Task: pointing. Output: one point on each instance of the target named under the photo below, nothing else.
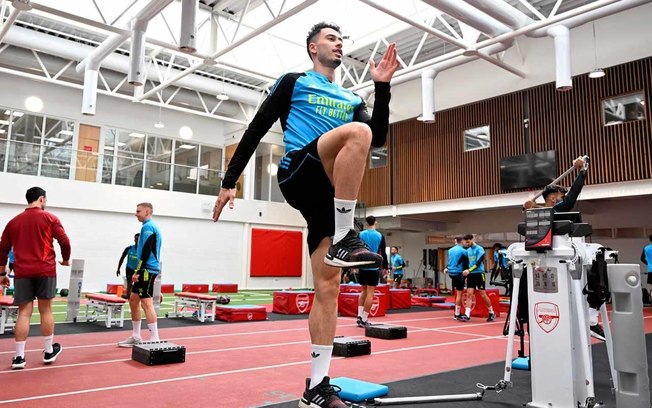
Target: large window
(624, 108)
(185, 167)
(57, 148)
(378, 157)
(266, 186)
(210, 166)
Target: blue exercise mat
(358, 391)
(521, 363)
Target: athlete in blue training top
(458, 262)
(327, 133)
(396, 264)
(131, 253)
(475, 278)
(368, 278)
(145, 273)
(501, 269)
(646, 258)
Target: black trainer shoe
(464, 318)
(597, 332)
(362, 323)
(18, 363)
(456, 316)
(350, 252)
(323, 395)
(49, 358)
(492, 317)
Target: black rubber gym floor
(464, 381)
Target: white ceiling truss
(243, 45)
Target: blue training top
(372, 239)
(132, 257)
(11, 258)
(149, 247)
(500, 257)
(647, 251)
(397, 262)
(458, 260)
(476, 258)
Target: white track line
(217, 373)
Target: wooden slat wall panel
(429, 161)
(571, 124)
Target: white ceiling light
(66, 133)
(16, 114)
(33, 104)
(596, 72)
(55, 140)
(159, 123)
(2, 131)
(272, 169)
(185, 132)
(187, 146)
(222, 96)
(138, 135)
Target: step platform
(443, 305)
(242, 313)
(348, 347)
(158, 352)
(386, 331)
(358, 391)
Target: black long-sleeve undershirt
(277, 105)
(571, 197)
(383, 252)
(123, 256)
(148, 247)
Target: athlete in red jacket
(31, 234)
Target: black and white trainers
(49, 358)
(18, 363)
(463, 318)
(323, 395)
(597, 332)
(362, 323)
(350, 252)
(492, 317)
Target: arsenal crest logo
(250, 316)
(547, 316)
(302, 302)
(374, 306)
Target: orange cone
(120, 289)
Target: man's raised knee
(359, 133)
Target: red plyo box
(194, 288)
(400, 299)
(112, 288)
(347, 304)
(241, 313)
(225, 288)
(293, 301)
(478, 307)
(167, 288)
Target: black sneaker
(350, 252)
(362, 323)
(597, 332)
(323, 395)
(456, 316)
(463, 318)
(18, 363)
(492, 317)
(49, 358)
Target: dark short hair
(650, 237)
(315, 30)
(459, 238)
(497, 245)
(468, 236)
(552, 189)
(146, 205)
(137, 235)
(34, 194)
(371, 220)
(395, 247)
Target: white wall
(623, 37)
(65, 102)
(100, 223)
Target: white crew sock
(467, 312)
(458, 309)
(360, 310)
(365, 316)
(491, 309)
(47, 343)
(344, 213)
(20, 349)
(153, 329)
(135, 329)
(321, 361)
(593, 316)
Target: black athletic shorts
(475, 281)
(306, 187)
(398, 277)
(649, 278)
(28, 289)
(130, 274)
(368, 277)
(458, 281)
(144, 288)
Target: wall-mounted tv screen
(528, 170)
